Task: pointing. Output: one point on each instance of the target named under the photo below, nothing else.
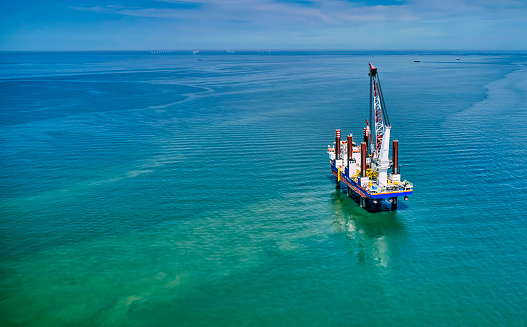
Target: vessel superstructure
(364, 168)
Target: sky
(263, 24)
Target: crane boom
(380, 136)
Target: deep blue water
(159, 190)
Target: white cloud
(331, 12)
(328, 12)
(409, 24)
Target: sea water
(141, 189)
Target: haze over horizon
(263, 24)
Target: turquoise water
(158, 190)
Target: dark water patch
(22, 100)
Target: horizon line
(258, 50)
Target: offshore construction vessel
(364, 168)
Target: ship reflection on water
(373, 237)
